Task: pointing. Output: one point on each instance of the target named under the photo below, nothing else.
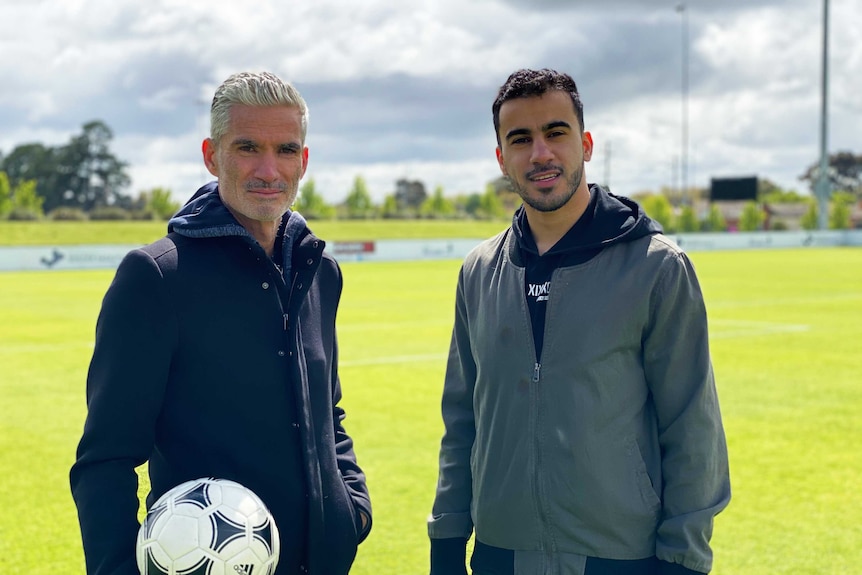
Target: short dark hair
(525, 83)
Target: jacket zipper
(547, 542)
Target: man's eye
(517, 141)
(246, 148)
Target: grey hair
(253, 89)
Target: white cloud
(404, 89)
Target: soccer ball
(208, 527)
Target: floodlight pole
(822, 187)
(683, 10)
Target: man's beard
(548, 202)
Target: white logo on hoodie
(539, 291)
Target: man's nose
(542, 153)
(267, 168)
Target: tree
(509, 198)
(679, 197)
(410, 195)
(93, 176)
(5, 195)
(839, 214)
(770, 193)
(438, 206)
(845, 173)
(810, 220)
(714, 221)
(490, 204)
(389, 209)
(657, 206)
(83, 173)
(687, 220)
(311, 204)
(20, 201)
(358, 202)
(469, 204)
(158, 202)
(33, 162)
(25, 199)
(752, 217)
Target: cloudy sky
(403, 89)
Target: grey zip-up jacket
(612, 446)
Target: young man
(216, 353)
(582, 428)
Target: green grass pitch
(786, 328)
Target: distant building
(856, 216)
(731, 211)
(784, 216)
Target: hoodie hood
(205, 216)
(608, 219)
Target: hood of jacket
(205, 216)
(608, 219)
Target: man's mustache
(261, 185)
(545, 168)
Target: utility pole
(674, 165)
(822, 188)
(683, 11)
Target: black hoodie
(608, 219)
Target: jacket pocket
(342, 531)
(642, 479)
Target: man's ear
(208, 148)
(501, 162)
(304, 161)
(588, 146)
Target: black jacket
(209, 362)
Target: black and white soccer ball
(208, 527)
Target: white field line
(729, 328)
(778, 301)
(722, 329)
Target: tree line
(83, 179)
(410, 200)
(678, 213)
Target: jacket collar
(206, 216)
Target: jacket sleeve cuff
(665, 568)
(449, 556)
